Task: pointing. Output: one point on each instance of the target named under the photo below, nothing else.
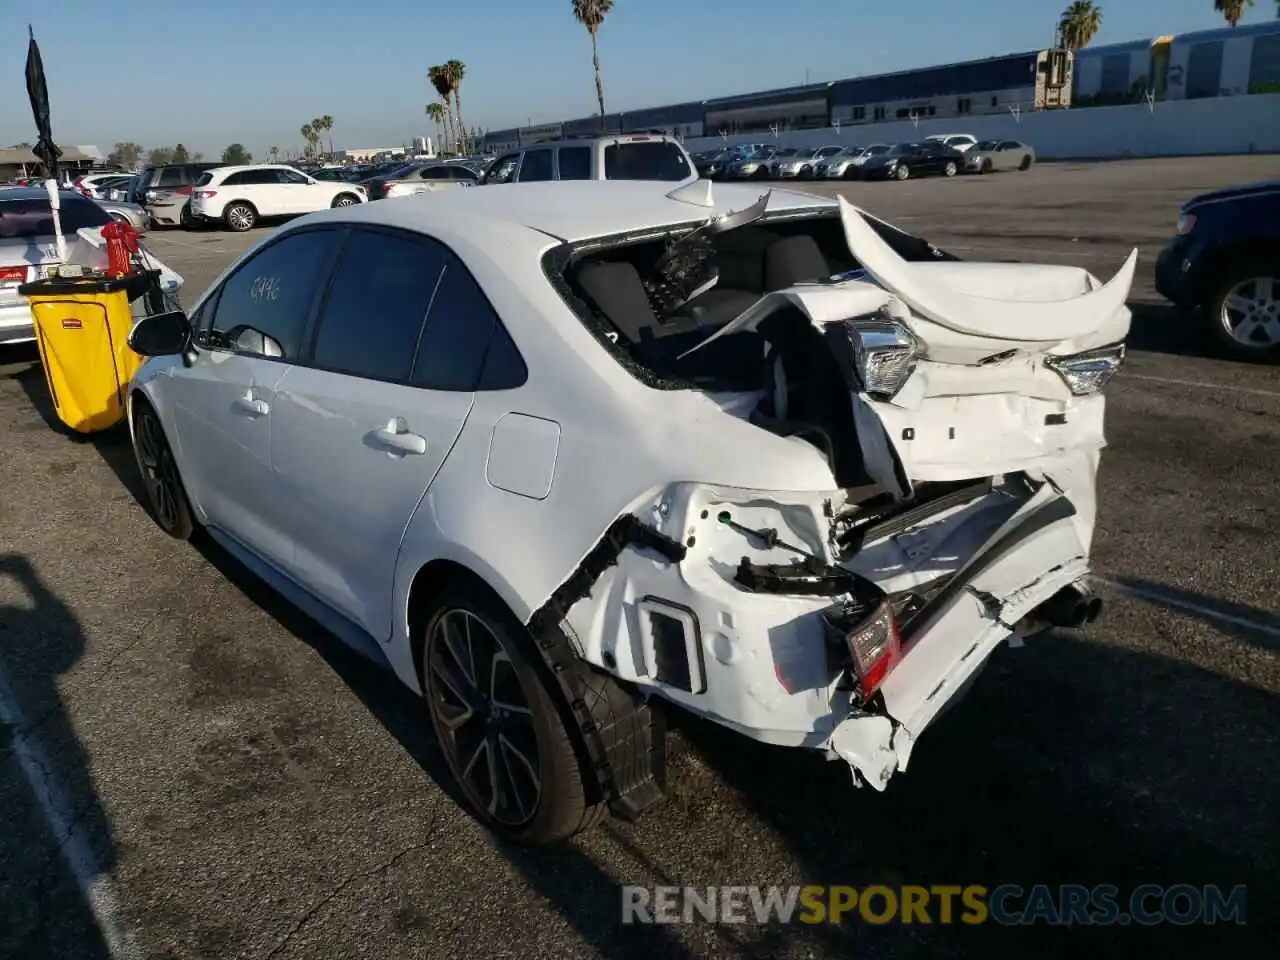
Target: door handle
(396, 436)
(252, 405)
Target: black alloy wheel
(168, 500)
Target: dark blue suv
(1224, 263)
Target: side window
(233, 180)
(503, 169)
(263, 307)
(459, 172)
(169, 177)
(373, 315)
(575, 163)
(536, 166)
(460, 327)
(291, 176)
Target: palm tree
(439, 78)
(456, 70)
(436, 112)
(326, 124)
(591, 14)
(308, 134)
(1232, 10)
(1079, 24)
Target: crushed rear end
(960, 407)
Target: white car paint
(519, 485)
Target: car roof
(237, 167)
(567, 210)
(39, 193)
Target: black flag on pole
(38, 93)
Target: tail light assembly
(862, 629)
(203, 194)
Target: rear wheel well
(1210, 271)
(240, 203)
(428, 583)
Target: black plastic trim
(624, 736)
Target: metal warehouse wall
(1173, 128)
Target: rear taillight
(204, 194)
(386, 189)
(185, 191)
(869, 635)
(13, 274)
(78, 183)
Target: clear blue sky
(206, 74)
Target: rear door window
(372, 318)
(645, 160)
(575, 163)
(537, 166)
(170, 177)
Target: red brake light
(871, 639)
(386, 189)
(13, 274)
(185, 191)
(204, 194)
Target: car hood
(1245, 191)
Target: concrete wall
(1173, 128)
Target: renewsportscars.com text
(1008, 904)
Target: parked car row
(194, 195)
(941, 154)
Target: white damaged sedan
(562, 453)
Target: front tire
(497, 723)
(344, 200)
(166, 495)
(1243, 309)
(900, 172)
(950, 169)
(240, 217)
(1025, 164)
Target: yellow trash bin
(82, 327)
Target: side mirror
(161, 335)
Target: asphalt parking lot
(190, 769)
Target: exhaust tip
(1073, 606)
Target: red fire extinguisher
(122, 246)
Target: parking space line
(93, 882)
(1173, 601)
(1201, 384)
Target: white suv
(632, 156)
(241, 196)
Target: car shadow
(56, 842)
(1070, 762)
(585, 896)
(1241, 621)
(1160, 327)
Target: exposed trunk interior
(621, 291)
